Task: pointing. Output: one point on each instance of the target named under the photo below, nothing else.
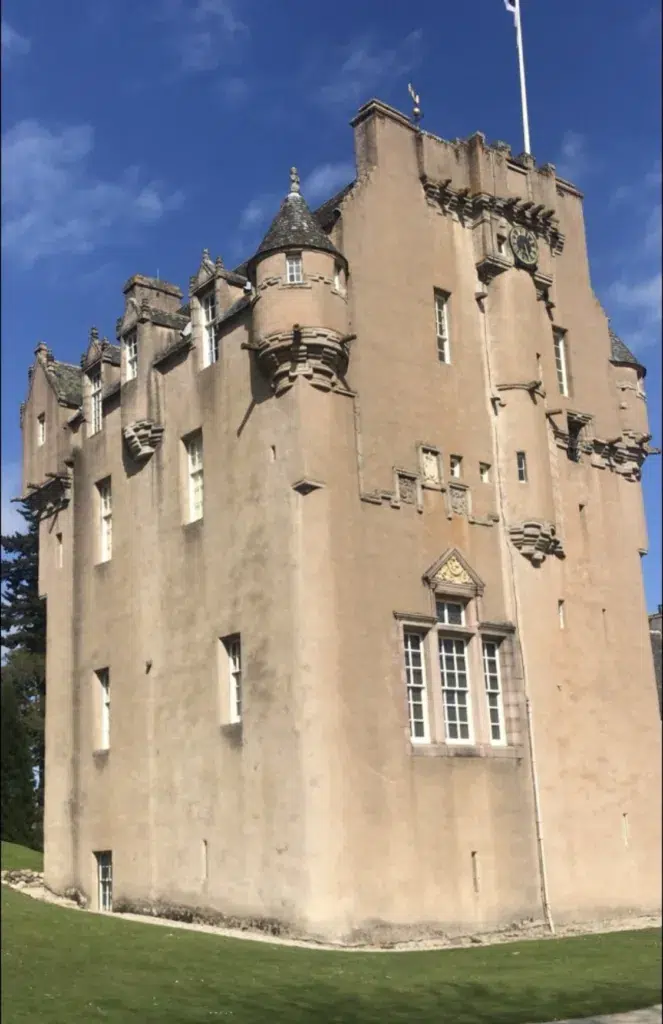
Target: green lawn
(64, 965)
(14, 857)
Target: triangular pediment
(452, 571)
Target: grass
(15, 857)
(64, 965)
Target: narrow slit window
(105, 881)
(559, 339)
(442, 326)
(493, 681)
(294, 270)
(131, 355)
(41, 429)
(456, 466)
(103, 684)
(194, 454)
(96, 402)
(575, 428)
(484, 472)
(105, 519)
(561, 614)
(208, 307)
(521, 465)
(415, 678)
(59, 551)
(234, 650)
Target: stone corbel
(491, 266)
(143, 438)
(536, 539)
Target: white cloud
(325, 180)
(13, 43)
(255, 212)
(53, 204)
(642, 297)
(206, 33)
(364, 67)
(573, 161)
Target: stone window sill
(101, 755)
(509, 753)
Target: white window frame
(492, 676)
(443, 606)
(105, 881)
(208, 314)
(521, 467)
(456, 466)
(41, 429)
(484, 472)
(416, 684)
(294, 268)
(561, 361)
(105, 493)
(233, 646)
(195, 476)
(452, 691)
(96, 399)
(104, 698)
(131, 355)
(442, 326)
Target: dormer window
(294, 273)
(210, 341)
(131, 355)
(96, 421)
(41, 429)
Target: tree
(18, 812)
(24, 636)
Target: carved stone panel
(430, 466)
(459, 500)
(407, 489)
(453, 572)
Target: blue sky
(135, 134)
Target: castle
(346, 623)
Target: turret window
(293, 270)
(208, 307)
(131, 355)
(339, 279)
(95, 401)
(521, 466)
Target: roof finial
(416, 109)
(294, 182)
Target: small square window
(294, 270)
(521, 465)
(456, 466)
(41, 428)
(484, 472)
(450, 613)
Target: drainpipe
(538, 823)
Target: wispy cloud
(573, 160)
(642, 297)
(52, 202)
(325, 180)
(206, 34)
(255, 212)
(13, 43)
(362, 66)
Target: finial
(206, 258)
(218, 263)
(94, 334)
(416, 109)
(294, 182)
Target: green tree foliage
(18, 810)
(24, 638)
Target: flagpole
(521, 69)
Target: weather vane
(416, 109)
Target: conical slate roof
(294, 227)
(620, 353)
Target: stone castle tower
(346, 624)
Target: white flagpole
(521, 68)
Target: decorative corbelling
(452, 572)
(468, 208)
(534, 387)
(536, 539)
(490, 266)
(143, 438)
(317, 354)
